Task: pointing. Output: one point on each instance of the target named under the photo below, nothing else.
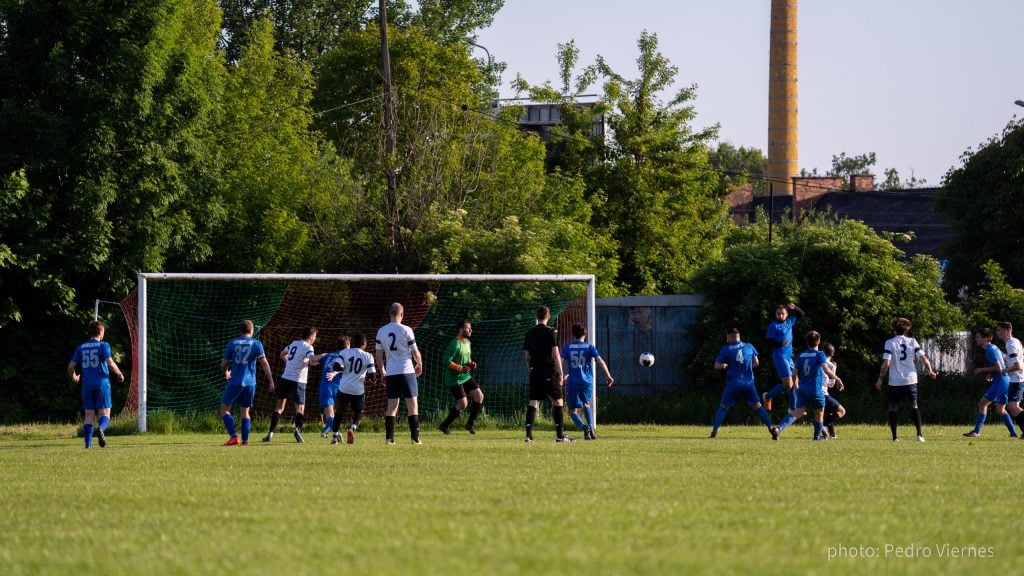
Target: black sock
(414, 427)
(1019, 419)
(275, 417)
(830, 418)
(558, 417)
(389, 427)
(336, 425)
(531, 416)
(299, 419)
(357, 417)
(892, 423)
(475, 409)
(453, 413)
(915, 413)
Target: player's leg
(1013, 400)
(337, 414)
(392, 385)
(328, 411)
(819, 417)
(558, 411)
(894, 394)
(103, 414)
(281, 392)
(412, 408)
(477, 395)
(979, 418)
(459, 395)
(357, 402)
(300, 410)
(90, 416)
(1006, 418)
(231, 394)
(729, 396)
(750, 397)
(794, 414)
(574, 404)
(538, 391)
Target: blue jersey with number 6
(578, 355)
(808, 365)
(92, 358)
(243, 352)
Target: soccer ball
(647, 359)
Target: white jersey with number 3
(397, 342)
(901, 351)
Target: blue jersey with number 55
(578, 355)
(242, 353)
(91, 357)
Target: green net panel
(191, 320)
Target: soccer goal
(180, 324)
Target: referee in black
(540, 349)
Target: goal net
(180, 323)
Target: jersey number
(903, 351)
(807, 369)
(577, 360)
(392, 347)
(241, 353)
(291, 353)
(355, 366)
(90, 358)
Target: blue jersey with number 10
(739, 360)
(579, 355)
(243, 352)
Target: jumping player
(298, 357)
(458, 363)
(96, 362)
(898, 358)
(780, 335)
(577, 358)
(999, 390)
(356, 363)
(811, 366)
(739, 359)
(397, 343)
(239, 366)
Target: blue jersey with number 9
(242, 353)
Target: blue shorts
(733, 393)
(238, 394)
(401, 386)
(96, 398)
(998, 392)
(783, 364)
(327, 393)
(576, 395)
(1016, 393)
(812, 399)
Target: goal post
(181, 322)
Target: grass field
(639, 500)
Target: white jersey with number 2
(397, 342)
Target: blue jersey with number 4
(808, 365)
(243, 352)
(91, 357)
(579, 355)
(739, 360)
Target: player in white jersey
(834, 411)
(1014, 362)
(298, 357)
(352, 366)
(397, 344)
(898, 358)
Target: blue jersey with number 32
(578, 355)
(242, 353)
(91, 357)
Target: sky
(918, 82)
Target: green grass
(639, 500)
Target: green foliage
(740, 166)
(849, 281)
(981, 201)
(995, 300)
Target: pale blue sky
(916, 81)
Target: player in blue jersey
(351, 366)
(999, 390)
(239, 365)
(811, 366)
(577, 359)
(780, 336)
(329, 384)
(95, 362)
(739, 359)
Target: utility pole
(390, 136)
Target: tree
(893, 182)
(981, 200)
(850, 281)
(995, 300)
(654, 189)
(739, 166)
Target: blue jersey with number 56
(243, 352)
(91, 357)
(578, 355)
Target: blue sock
(979, 422)
(87, 433)
(789, 419)
(588, 413)
(764, 416)
(104, 422)
(246, 426)
(774, 391)
(791, 397)
(329, 423)
(229, 423)
(719, 417)
(577, 420)
(817, 429)
(1008, 420)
